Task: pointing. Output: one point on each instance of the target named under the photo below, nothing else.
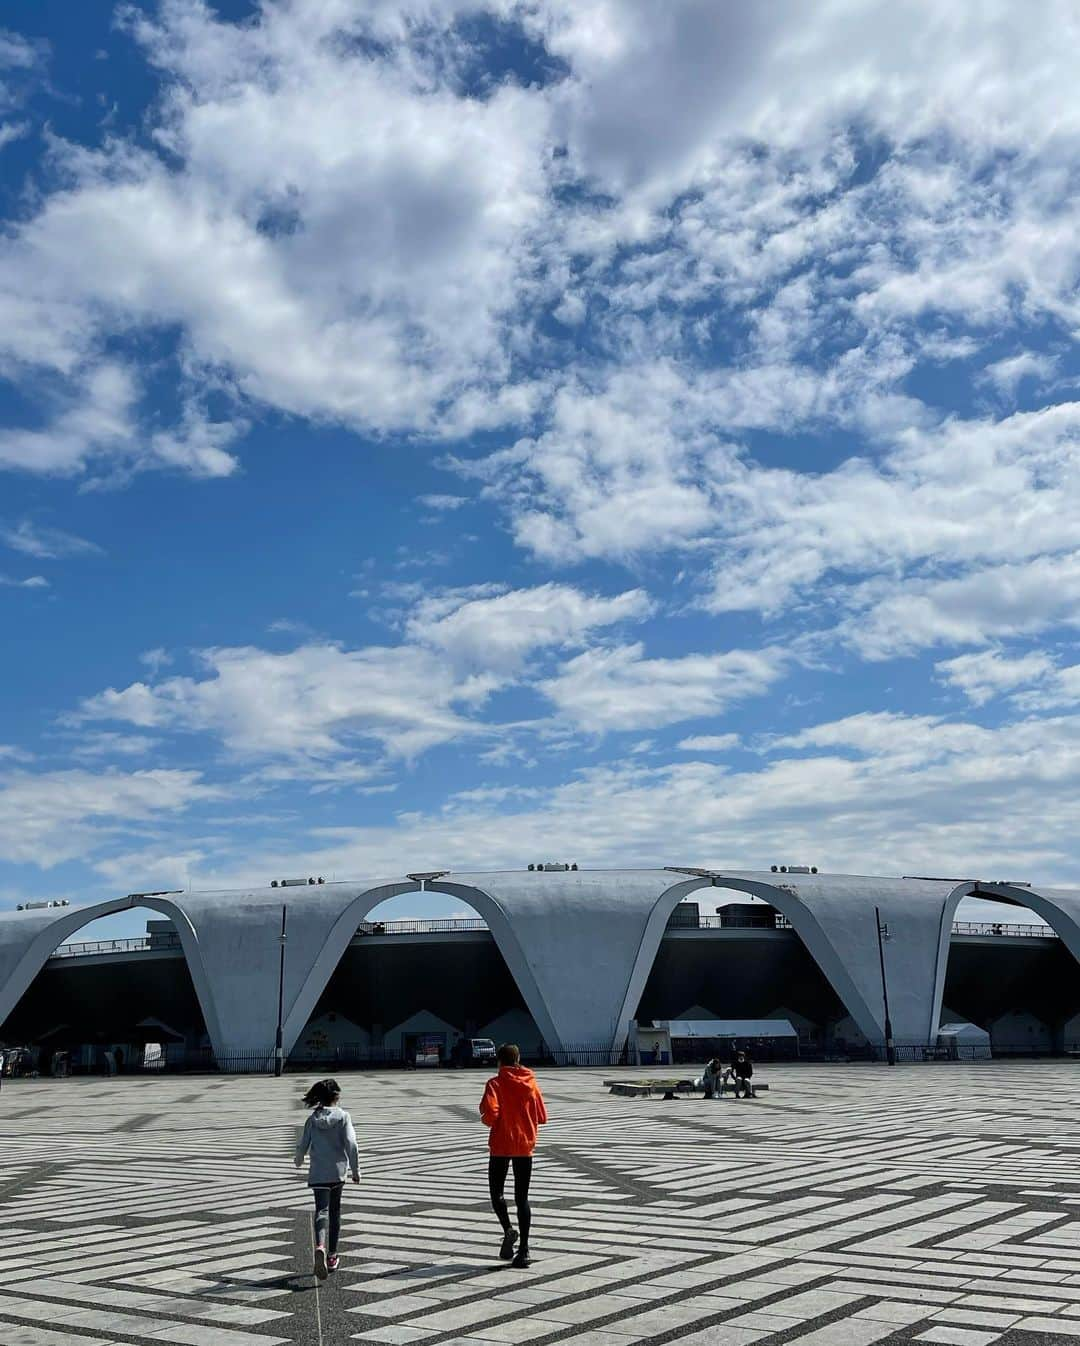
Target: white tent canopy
(727, 1028)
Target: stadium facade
(576, 956)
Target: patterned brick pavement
(851, 1205)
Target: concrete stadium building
(564, 957)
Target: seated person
(712, 1078)
(741, 1071)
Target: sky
(441, 434)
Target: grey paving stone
(885, 1201)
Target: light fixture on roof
(424, 877)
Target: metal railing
(779, 922)
(776, 922)
(436, 926)
(1000, 928)
(140, 942)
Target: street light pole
(279, 1053)
(882, 935)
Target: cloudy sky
(437, 433)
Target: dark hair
(322, 1094)
(508, 1054)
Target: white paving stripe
(937, 1202)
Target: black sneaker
(522, 1259)
(506, 1251)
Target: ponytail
(322, 1094)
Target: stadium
(589, 966)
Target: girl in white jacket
(329, 1137)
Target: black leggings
(328, 1215)
(498, 1168)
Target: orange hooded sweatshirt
(513, 1107)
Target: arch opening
(833, 915)
(1011, 976)
(117, 1001)
(732, 958)
(407, 985)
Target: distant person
(712, 1078)
(513, 1107)
(329, 1136)
(741, 1071)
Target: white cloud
(95, 424)
(989, 673)
(709, 743)
(1061, 688)
(107, 744)
(655, 91)
(44, 543)
(984, 605)
(1032, 681)
(53, 816)
(614, 689)
(31, 582)
(498, 632)
(1006, 375)
(305, 705)
(443, 503)
(882, 795)
(156, 659)
(336, 232)
(21, 66)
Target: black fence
(178, 1059)
(174, 1059)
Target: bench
(668, 1089)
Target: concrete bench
(666, 1088)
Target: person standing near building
(329, 1136)
(513, 1109)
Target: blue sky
(443, 434)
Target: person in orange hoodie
(513, 1107)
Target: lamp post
(882, 936)
(279, 1052)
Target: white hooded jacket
(329, 1135)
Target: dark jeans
(498, 1167)
(328, 1215)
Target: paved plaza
(851, 1205)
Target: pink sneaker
(320, 1263)
(332, 1262)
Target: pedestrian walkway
(851, 1205)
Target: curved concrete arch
(28, 941)
(506, 941)
(651, 936)
(571, 940)
(948, 915)
(240, 936)
(337, 941)
(1059, 908)
(833, 915)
